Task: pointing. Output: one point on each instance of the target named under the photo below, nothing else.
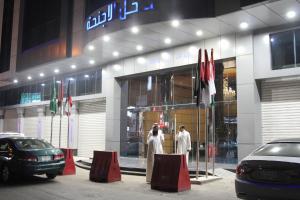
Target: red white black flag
(68, 102)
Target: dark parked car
(270, 172)
(21, 156)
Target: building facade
(132, 63)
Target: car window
(3, 146)
(279, 149)
(27, 144)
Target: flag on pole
(68, 102)
(212, 77)
(53, 100)
(208, 80)
(197, 78)
(60, 97)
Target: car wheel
(5, 174)
(51, 176)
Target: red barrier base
(170, 173)
(70, 164)
(105, 167)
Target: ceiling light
(71, 79)
(135, 30)
(16, 81)
(73, 66)
(92, 62)
(175, 23)
(58, 82)
(29, 77)
(139, 48)
(117, 67)
(116, 54)
(291, 14)
(141, 60)
(106, 38)
(193, 50)
(165, 55)
(42, 74)
(91, 47)
(56, 71)
(199, 33)
(86, 76)
(193, 77)
(244, 25)
(43, 84)
(168, 41)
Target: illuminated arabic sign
(119, 11)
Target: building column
(1, 120)
(20, 120)
(41, 122)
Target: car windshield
(27, 144)
(279, 149)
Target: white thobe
(184, 144)
(154, 147)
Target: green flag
(53, 100)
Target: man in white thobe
(184, 143)
(154, 147)
(160, 134)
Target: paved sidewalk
(132, 188)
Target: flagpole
(51, 134)
(175, 133)
(68, 126)
(198, 140)
(213, 136)
(206, 140)
(60, 126)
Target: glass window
(166, 98)
(282, 48)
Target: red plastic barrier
(70, 164)
(105, 167)
(170, 173)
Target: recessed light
(58, 82)
(42, 74)
(117, 67)
(71, 79)
(193, 50)
(73, 66)
(199, 33)
(135, 30)
(291, 14)
(16, 81)
(92, 62)
(139, 48)
(56, 71)
(193, 77)
(29, 77)
(43, 84)
(116, 54)
(244, 25)
(106, 38)
(91, 47)
(175, 23)
(165, 55)
(168, 41)
(141, 60)
(86, 76)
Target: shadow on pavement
(27, 181)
